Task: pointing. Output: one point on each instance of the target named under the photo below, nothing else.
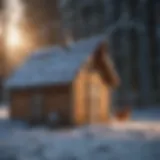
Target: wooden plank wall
(79, 114)
(59, 102)
(80, 98)
(54, 99)
(19, 105)
(104, 96)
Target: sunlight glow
(13, 38)
(14, 12)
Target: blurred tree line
(134, 42)
(41, 21)
(134, 46)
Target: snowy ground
(138, 139)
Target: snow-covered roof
(54, 65)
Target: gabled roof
(54, 65)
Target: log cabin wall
(79, 107)
(81, 97)
(54, 99)
(19, 105)
(58, 99)
(100, 95)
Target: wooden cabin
(75, 84)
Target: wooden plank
(79, 110)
